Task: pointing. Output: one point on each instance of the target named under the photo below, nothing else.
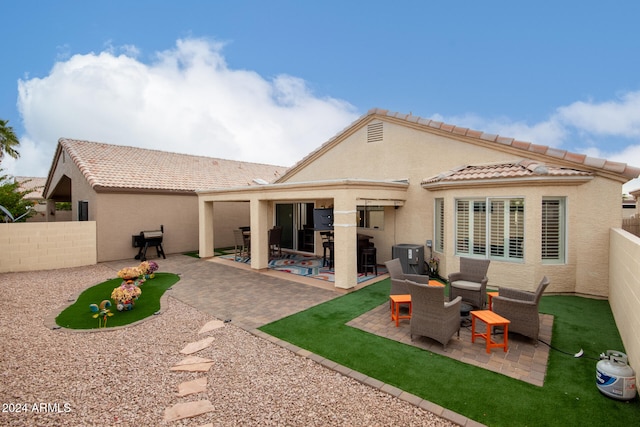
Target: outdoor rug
(305, 266)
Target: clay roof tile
(122, 167)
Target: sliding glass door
(296, 220)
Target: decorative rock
(187, 410)
(191, 387)
(210, 326)
(197, 346)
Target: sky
(270, 81)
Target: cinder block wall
(47, 245)
(624, 291)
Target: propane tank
(614, 377)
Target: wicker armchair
(521, 308)
(471, 281)
(431, 316)
(398, 278)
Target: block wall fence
(34, 246)
(624, 291)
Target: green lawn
(79, 315)
(569, 397)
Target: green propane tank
(614, 377)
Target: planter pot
(433, 272)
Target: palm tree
(8, 140)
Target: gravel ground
(122, 377)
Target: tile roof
(35, 184)
(527, 148)
(116, 167)
(501, 171)
(615, 167)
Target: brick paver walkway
(248, 298)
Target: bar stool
(327, 247)
(369, 260)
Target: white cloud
(616, 118)
(187, 101)
(608, 130)
(32, 158)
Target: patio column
(205, 234)
(259, 211)
(50, 213)
(345, 240)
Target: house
(533, 210)
(629, 205)
(34, 185)
(127, 190)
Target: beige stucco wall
(44, 246)
(119, 216)
(408, 153)
(624, 293)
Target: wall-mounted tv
(323, 219)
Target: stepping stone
(197, 367)
(193, 364)
(207, 425)
(210, 326)
(190, 360)
(197, 346)
(187, 410)
(191, 387)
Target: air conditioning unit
(411, 257)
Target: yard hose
(579, 354)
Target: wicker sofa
(432, 316)
(521, 308)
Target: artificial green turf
(568, 397)
(79, 315)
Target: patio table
(396, 300)
(491, 319)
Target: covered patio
(343, 195)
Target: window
(371, 217)
(492, 228)
(439, 225)
(553, 230)
(83, 210)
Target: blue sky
(270, 81)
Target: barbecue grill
(147, 239)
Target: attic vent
(374, 132)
